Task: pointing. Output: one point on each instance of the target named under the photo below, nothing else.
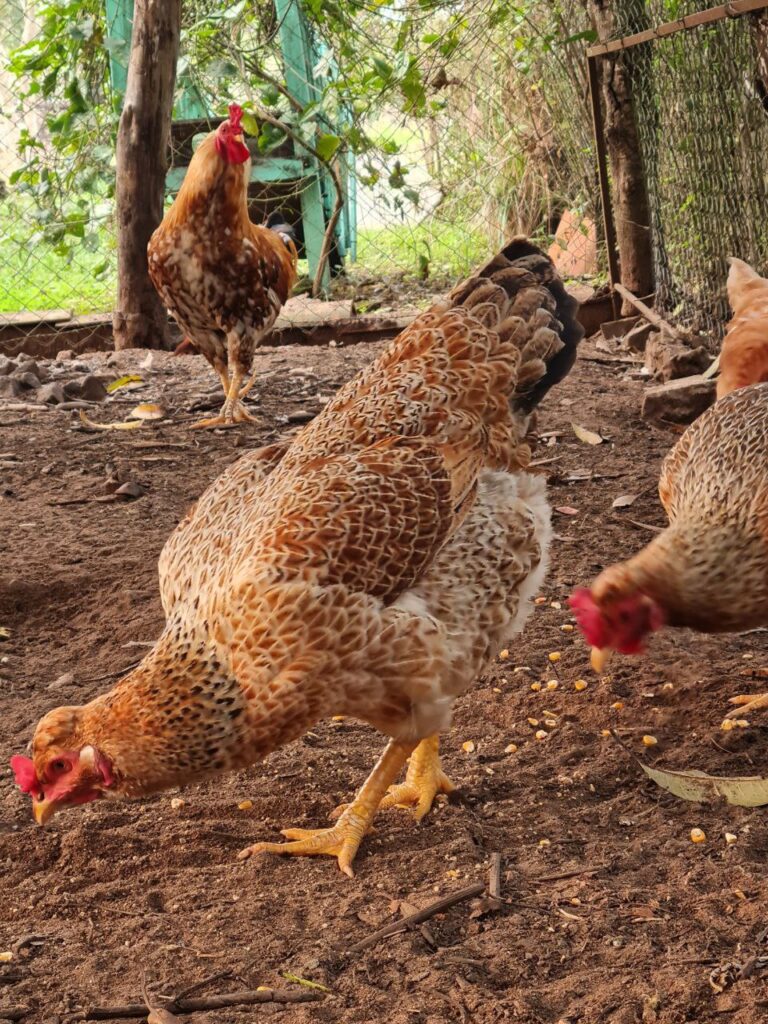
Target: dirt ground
(612, 915)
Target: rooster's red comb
(26, 776)
(235, 115)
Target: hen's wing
(196, 550)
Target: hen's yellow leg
(424, 779)
(343, 839)
(747, 702)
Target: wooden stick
(246, 998)
(570, 874)
(668, 28)
(421, 915)
(494, 877)
(650, 315)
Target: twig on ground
(638, 525)
(422, 915)
(560, 875)
(494, 877)
(246, 998)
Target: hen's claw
(231, 415)
(747, 702)
(344, 838)
(424, 779)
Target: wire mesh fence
(700, 101)
(455, 124)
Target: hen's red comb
(26, 776)
(235, 115)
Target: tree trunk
(140, 320)
(630, 195)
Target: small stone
(64, 682)
(730, 838)
(10, 388)
(637, 337)
(6, 366)
(64, 354)
(88, 389)
(51, 394)
(679, 401)
(177, 803)
(27, 366)
(28, 379)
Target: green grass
(36, 278)
(450, 249)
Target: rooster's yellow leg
(343, 839)
(747, 702)
(424, 779)
(233, 411)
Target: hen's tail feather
(519, 294)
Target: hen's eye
(58, 766)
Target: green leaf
(250, 124)
(327, 145)
(588, 36)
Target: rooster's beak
(239, 138)
(43, 810)
(599, 658)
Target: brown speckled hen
(223, 278)
(708, 570)
(369, 569)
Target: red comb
(235, 115)
(26, 776)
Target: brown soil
(630, 931)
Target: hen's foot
(747, 702)
(231, 415)
(344, 838)
(424, 779)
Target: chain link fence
(700, 101)
(460, 123)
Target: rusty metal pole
(609, 225)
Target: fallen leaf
(566, 510)
(147, 411)
(303, 981)
(130, 489)
(739, 790)
(624, 501)
(587, 436)
(122, 382)
(108, 426)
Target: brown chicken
(223, 278)
(744, 357)
(369, 569)
(708, 570)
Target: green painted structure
(300, 57)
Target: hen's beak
(599, 658)
(239, 138)
(43, 810)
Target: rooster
(223, 278)
(370, 569)
(708, 570)
(744, 357)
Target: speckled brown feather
(218, 273)
(369, 568)
(709, 569)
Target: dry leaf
(147, 411)
(587, 436)
(130, 489)
(123, 382)
(107, 426)
(624, 501)
(566, 510)
(739, 790)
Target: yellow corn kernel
(536, 687)
(245, 805)
(567, 627)
(730, 838)
(5, 958)
(468, 747)
(545, 842)
(338, 718)
(605, 732)
(541, 734)
(540, 600)
(552, 684)
(511, 748)
(727, 724)
(504, 655)
(550, 723)
(698, 835)
(617, 705)
(554, 656)
(533, 721)
(580, 684)
(649, 741)
(742, 723)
